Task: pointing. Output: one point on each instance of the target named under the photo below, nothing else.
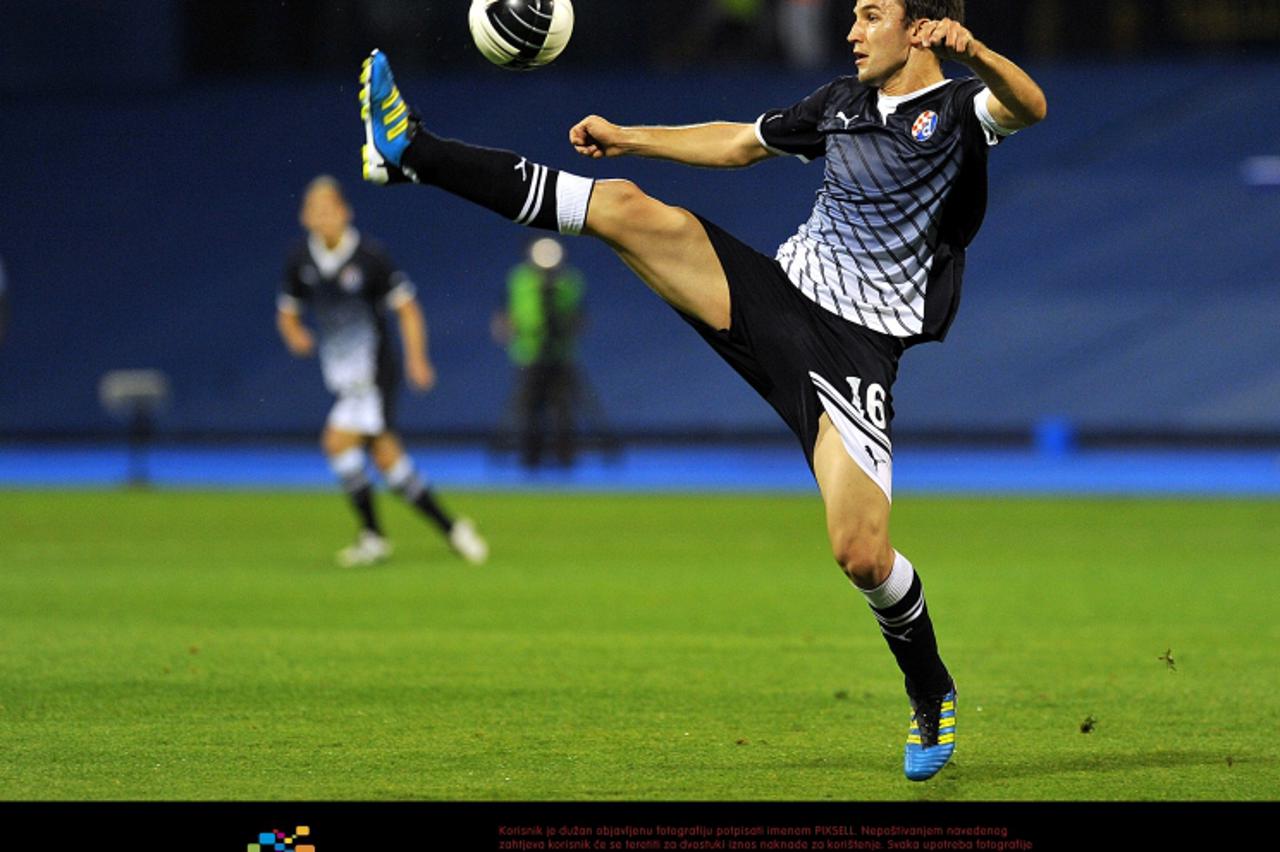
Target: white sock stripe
(542, 189)
(533, 202)
(348, 463)
(573, 194)
(910, 616)
(528, 199)
(895, 587)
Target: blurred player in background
(351, 285)
(540, 328)
(818, 330)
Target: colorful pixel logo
(926, 123)
(277, 841)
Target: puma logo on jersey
(847, 121)
(520, 167)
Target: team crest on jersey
(926, 123)
(351, 279)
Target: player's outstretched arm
(294, 334)
(413, 335)
(717, 144)
(1016, 101)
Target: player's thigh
(857, 510)
(666, 246)
(386, 450)
(335, 441)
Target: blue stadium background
(1125, 281)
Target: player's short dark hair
(934, 10)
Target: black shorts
(805, 361)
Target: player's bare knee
(621, 209)
(616, 197)
(866, 559)
(386, 453)
(334, 443)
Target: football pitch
(203, 646)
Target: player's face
(880, 39)
(325, 214)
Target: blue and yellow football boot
(931, 739)
(388, 124)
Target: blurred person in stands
(351, 286)
(540, 327)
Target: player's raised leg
(398, 146)
(403, 477)
(858, 527)
(347, 459)
(665, 245)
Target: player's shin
(405, 480)
(349, 467)
(898, 604)
(506, 183)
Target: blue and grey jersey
(349, 289)
(904, 192)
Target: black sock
(506, 183)
(349, 467)
(916, 649)
(362, 500)
(428, 505)
(405, 481)
(908, 630)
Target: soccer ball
(521, 34)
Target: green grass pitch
(192, 646)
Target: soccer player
(818, 330)
(350, 285)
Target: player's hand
(595, 137)
(949, 39)
(422, 375)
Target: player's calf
(504, 182)
(526, 193)
(349, 465)
(899, 606)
